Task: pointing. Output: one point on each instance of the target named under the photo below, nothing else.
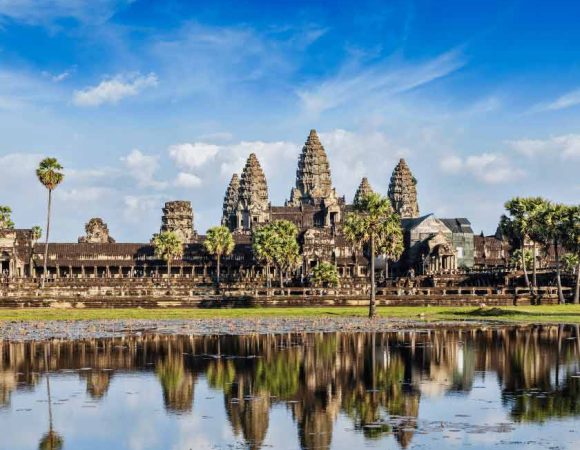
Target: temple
(432, 244)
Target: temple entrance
(4, 263)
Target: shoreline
(35, 325)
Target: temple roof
(253, 186)
(458, 225)
(364, 188)
(403, 191)
(313, 179)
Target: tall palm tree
(168, 246)
(286, 251)
(264, 242)
(219, 242)
(49, 173)
(51, 440)
(571, 242)
(519, 225)
(375, 224)
(5, 217)
(555, 230)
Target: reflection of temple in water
(377, 381)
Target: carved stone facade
(253, 205)
(403, 191)
(178, 218)
(96, 232)
(230, 204)
(431, 244)
(313, 180)
(364, 188)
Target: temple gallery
(432, 245)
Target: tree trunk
(386, 270)
(46, 237)
(168, 268)
(372, 305)
(558, 274)
(267, 275)
(526, 278)
(534, 271)
(281, 278)
(218, 270)
(577, 290)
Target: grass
(544, 313)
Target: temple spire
(403, 191)
(231, 200)
(313, 180)
(253, 203)
(364, 188)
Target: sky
(144, 102)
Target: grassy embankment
(546, 314)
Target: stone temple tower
(313, 181)
(403, 191)
(231, 203)
(364, 188)
(253, 206)
(178, 217)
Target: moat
(454, 386)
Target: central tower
(403, 191)
(313, 181)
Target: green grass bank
(539, 314)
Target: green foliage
(51, 441)
(36, 232)
(325, 274)
(570, 261)
(49, 173)
(276, 243)
(5, 218)
(516, 259)
(219, 241)
(374, 218)
(168, 246)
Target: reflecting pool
(488, 387)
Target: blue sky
(147, 101)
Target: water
(475, 388)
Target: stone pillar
(83, 271)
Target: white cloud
(567, 100)
(567, 147)
(45, 11)
(386, 79)
(192, 156)
(187, 180)
(137, 207)
(113, 90)
(83, 195)
(143, 168)
(490, 168)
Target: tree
(516, 260)
(168, 246)
(49, 173)
(375, 224)
(36, 232)
(287, 250)
(535, 207)
(520, 225)
(219, 242)
(263, 244)
(276, 243)
(555, 225)
(571, 242)
(324, 274)
(5, 218)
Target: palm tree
(36, 232)
(554, 217)
(51, 440)
(168, 246)
(219, 242)
(519, 225)
(287, 250)
(325, 274)
(535, 206)
(375, 224)
(264, 242)
(49, 173)
(571, 242)
(5, 218)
